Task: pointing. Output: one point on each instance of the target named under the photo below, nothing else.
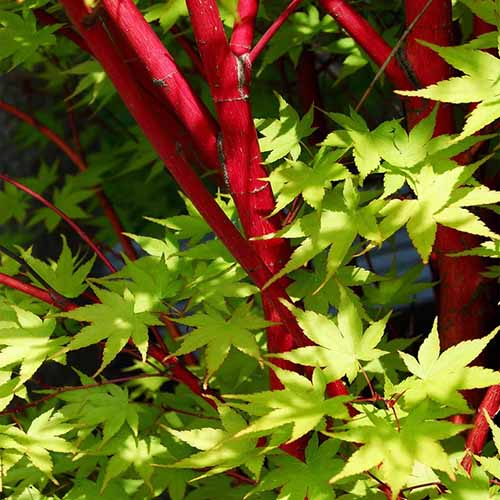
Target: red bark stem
(77, 160)
(165, 75)
(271, 31)
(368, 39)
(228, 75)
(464, 307)
(243, 29)
(37, 293)
(309, 93)
(78, 230)
(435, 26)
(479, 433)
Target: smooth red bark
(434, 26)
(478, 435)
(243, 29)
(228, 75)
(161, 70)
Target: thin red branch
(271, 31)
(37, 293)
(78, 230)
(47, 132)
(244, 26)
(77, 160)
(368, 39)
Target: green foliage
(154, 381)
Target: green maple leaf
(283, 136)
(13, 204)
(301, 404)
(142, 453)
(309, 286)
(66, 275)
(341, 219)
(309, 479)
(149, 279)
(355, 134)
(167, 13)
(396, 288)
(485, 9)
(211, 283)
(219, 334)
(439, 376)
(393, 447)
(480, 83)
(473, 486)
(93, 86)
(296, 178)
(295, 33)
(114, 320)
(20, 38)
(108, 407)
(68, 200)
(340, 346)
(42, 437)
(221, 449)
(440, 200)
(27, 342)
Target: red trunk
(464, 298)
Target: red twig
(243, 29)
(78, 230)
(479, 433)
(368, 39)
(47, 132)
(271, 31)
(77, 160)
(48, 297)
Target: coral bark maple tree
(341, 192)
